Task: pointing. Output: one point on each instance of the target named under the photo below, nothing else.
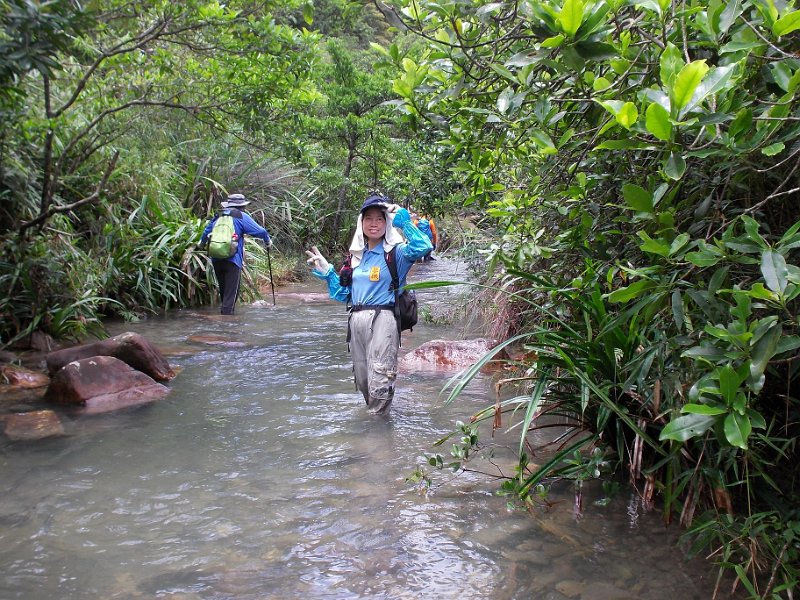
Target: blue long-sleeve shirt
(372, 278)
(242, 225)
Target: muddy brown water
(261, 476)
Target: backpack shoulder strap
(391, 262)
(390, 258)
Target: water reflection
(261, 476)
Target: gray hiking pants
(374, 340)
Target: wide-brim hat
(234, 201)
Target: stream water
(262, 476)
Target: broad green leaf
(686, 427)
(686, 83)
(543, 141)
(728, 383)
(670, 64)
(793, 82)
(631, 291)
(612, 106)
(504, 100)
(656, 96)
(739, 46)
(638, 198)
(571, 16)
(769, 11)
(737, 429)
(773, 149)
(703, 387)
(600, 84)
(782, 74)
(759, 292)
(627, 115)
(711, 18)
(675, 166)
(487, 10)
(596, 50)
(308, 13)
(717, 279)
(788, 343)
(703, 259)
(402, 88)
(739, 402)
(756, 419)
(380, 49)
(651, 246)
(787, 23)
(679, 243)
(790, 237)
(773, 268)
(594, 19)
(742, 122)
(442, 36)
(729, 15)
(703, 409)
(751, 227)
(763, 351)
(521, 59)
(709, 353)
(553, 42)
(620, 65)
(650, 5)
(714, 82)
(657, 122)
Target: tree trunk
(342, 200)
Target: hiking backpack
(224, 241)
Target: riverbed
(262, 476)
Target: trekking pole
(272, 285)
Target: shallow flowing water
(261, 476)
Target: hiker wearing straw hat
(228, 264)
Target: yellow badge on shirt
(375, 274)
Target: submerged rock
(215, 340)
(33, 425)
(22, 377)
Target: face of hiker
(374, 225)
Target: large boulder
(102, 384)
(131, 348)
(449, 355)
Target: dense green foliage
(118, 128)
(641, 160)
(636, 163)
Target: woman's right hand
(318, 261)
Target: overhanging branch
(68, 207)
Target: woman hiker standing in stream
(373, 333)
